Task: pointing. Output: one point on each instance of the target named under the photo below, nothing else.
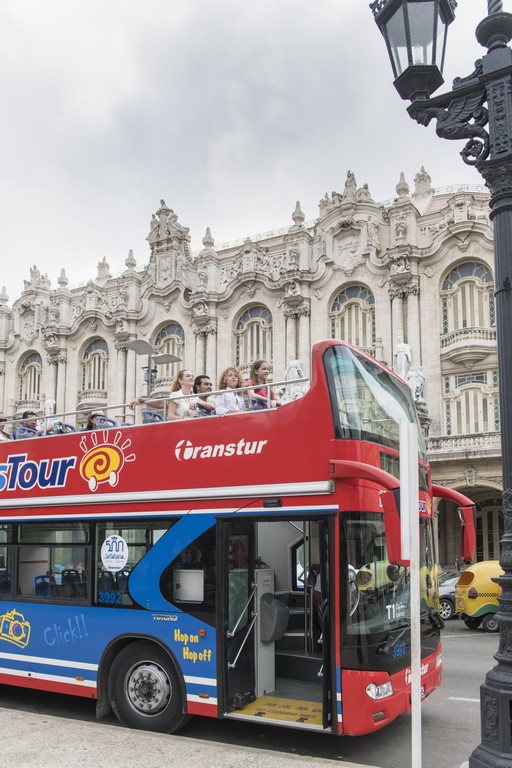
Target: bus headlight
(439, 660)
(377, 692)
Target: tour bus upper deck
(352, 400)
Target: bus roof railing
(287, 391)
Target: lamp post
(479, 110)
(141, 347)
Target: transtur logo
(185, 450)
(423, 671)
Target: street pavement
(32, 740)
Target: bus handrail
(125, 411)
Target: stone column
(120, 381)
(291, 332)
(413, 323)
(132, 387)
(200, 360)
(304, 344)
(52, 386)
(61, 368)
(3, 404)
(211, 353)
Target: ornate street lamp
(415, 35)
(479, 110)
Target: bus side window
(189, 581)
(5, 571)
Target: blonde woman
(229, 401)
(185, 406)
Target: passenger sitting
(229, 401)
(260, 396)
(205, 406)
(184, 407)
(91, 420)
(30, 421)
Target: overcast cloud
(230, 110)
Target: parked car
(447, 584)
(476, 595)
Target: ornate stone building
(409, 280)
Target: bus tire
(144, 689)
(490, 623)
(472, 622)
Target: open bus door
(327, 580)
(271, 664)
(236, 601)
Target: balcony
(468, 346)
(479, 445)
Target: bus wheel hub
(148, 688)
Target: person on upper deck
(185, 406)
(205, 406)
(91, 420)
(229, 401)
(259, 394)
(3, 435)
(30, 421)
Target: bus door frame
(330, 591)
(240, 647)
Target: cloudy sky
(230, 110)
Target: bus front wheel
(144, 689)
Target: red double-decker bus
(244, 567)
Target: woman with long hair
(259, 395)
(181, 405)
(229, 401)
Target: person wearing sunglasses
(3, 419)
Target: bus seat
(106, 582)
(71, 583)
(105, 421)
(150, 417)
(5, 581)
(122, 580)
(61, 428)
(41, 585)
(21, 432)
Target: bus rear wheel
(144, 689)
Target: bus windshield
(379, 596)
(369, 402)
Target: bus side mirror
(391, 507)
(467, 532)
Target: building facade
(410, 281)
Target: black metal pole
(494, 33)
(462, 114)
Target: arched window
(471, 403)
(253, 338)
(169, 340)
(30, 378)
(467, 295)
(352, 317)
(95, 368)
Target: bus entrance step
(291, 641)
(295, 665)
(296, 619)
